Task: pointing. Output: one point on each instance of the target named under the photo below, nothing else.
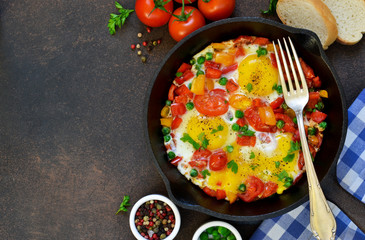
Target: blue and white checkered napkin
(351, 176)
(351, 165)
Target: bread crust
(323, 11)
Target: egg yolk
(214, 129)
(252, 161)
(257, 75)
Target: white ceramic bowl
(207, 225)
(160, 198)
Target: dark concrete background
(71, 102)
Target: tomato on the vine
(216, 9)
(185, 1)
(184, 21)
(154, 13)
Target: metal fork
(322, 221)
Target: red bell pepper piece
(318, 116)
(184, 67)
(231, 86)
(212, 73)
(178, 109)
(229, 68)
(176, 123)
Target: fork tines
(294, 71)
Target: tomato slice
(221, 194)
(231, 86)
(176, 123)
(253, 118)
(277, 103)
(176, 160)
(229, 68)
(184, 67)
(318, 116)
(269, 189)
(212, 103)
(246, 141)
(218, 160)
(171, 92)
(178, 109)
(212, 64)
(201, 154)
(212, 73)
(199, 164)
(261, 41)
(210, 192)
(254, 188)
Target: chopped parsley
(204, 140)
(219, 128)
(254, 166)
(289, 157)
(294, 146)
(205, 173)
(186, 138)
(282, 175)
(277, 164)
(252, 155)
(233, 166)
(278, 88)
(124, 204)
(249, 87)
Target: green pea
(178, 74)
(229, 148)
(209, 56)
(244, 128)
(171, 155)
(223, 81)
(165, 130)
(189, 105)
(167, 138)
(280, 124)
(235, 127)
(201, 60)
(193, 172)
(239, 114)
(242, 187)
(223, 231)
(231, 237)
(168, 103)
(210, 230)
(312, 131)
(204, 236)
(199, 72)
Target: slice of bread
(309, 14)
(350, 18)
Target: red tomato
(273, 60)
(210, 192)
(218, 160)
(307, 70)
(184, 67)
(176, 123)
(171, 92)
(269, 189)
(184, 90)
(158, 17)
(254, 188)
(211, 103)
(201, 154)
(180, 29)
(253, 118)
(199, 164)
(212, 64)
(216, 9)
(289, 124)
(176, 160)
(212, 73)
(221, 194)
(313, 99)
(318, 116)
(277, 103)
(178, 109)
(241, 122)
(185, 1)
(261, 41)
(231, 86)
(317, 82)
(182, 99)
(229, 68)
(246, 141)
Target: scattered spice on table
(155, 220)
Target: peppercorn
(139, 35)
(144, 43)
(154, 43)
(143, 59)
(148, 29)
(159, 41)
(139, 53)
(133, 46)
(138, 45)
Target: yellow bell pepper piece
(239, 101)
(166, 122)
(224, 58)
(270, 47)
(210, 83)
(218, 46)
(198, 85)
(232, 197)
(165, 111)
(323, 93)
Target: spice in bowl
(155, 217)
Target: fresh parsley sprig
(186, 138)
(233, 166)
(124, 204)
(219, 128)
(118, 20)
(272, 8)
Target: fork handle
(322, 221)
